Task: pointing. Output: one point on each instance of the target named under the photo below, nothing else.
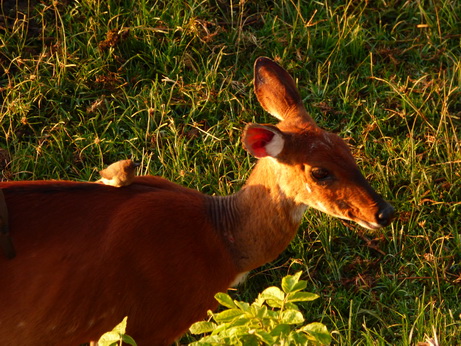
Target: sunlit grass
(169, 84)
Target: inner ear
(263, 140)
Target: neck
(258, 222)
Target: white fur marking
(308, 188)
(275, 146)
(239, 279)
(110, 182)
(368, 225)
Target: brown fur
(79, 272)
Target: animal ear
(275, 88)
(277, 92)
(263, 140)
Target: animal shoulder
(161, 183)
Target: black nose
(385, 215)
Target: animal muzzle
(385, 214)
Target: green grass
(169, 83)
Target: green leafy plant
(273, 318)
(116, 336)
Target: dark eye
(320, 174)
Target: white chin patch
(367, 225)
(364, 224)
(323, 208)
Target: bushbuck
(87, 254)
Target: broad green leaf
(265, 337)
(236, 331)
(121, 327)
(281, 330)
(273, 296)
(259, 301)
(249, 340)
(301, 297)
(228, 315)
(319, 331)
(291, 283)
(220, 328)
(259, 311)
(242, 321)
(225, 300)
(291, 306)
(273, 314)
(242, 306)
(115, 335)
(296, 338)
(202, 327)
(291, 317)
(128, 340)
(109, 338)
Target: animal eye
(320, 174)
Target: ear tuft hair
(263, 140)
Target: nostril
(385, 215)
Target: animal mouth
(368, 225)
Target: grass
(85, 83)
